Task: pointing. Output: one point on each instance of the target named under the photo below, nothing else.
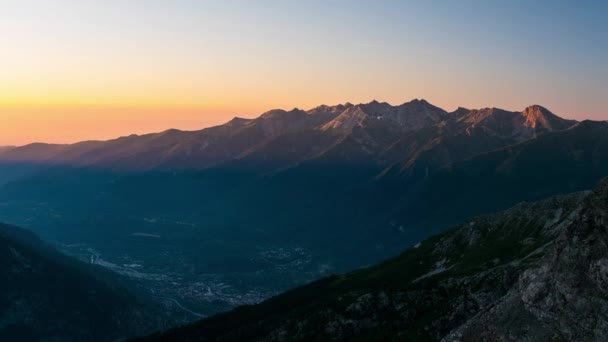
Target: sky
(74, 70)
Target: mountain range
(400, 138)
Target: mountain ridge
(368, 130)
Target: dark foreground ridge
(535, 272)
(45, 296)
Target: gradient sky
(89, 69)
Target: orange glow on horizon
(20, 125)
(76, 70)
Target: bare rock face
(347, 120)
(541, 118)
(563, 297)
(569, 289)
(527, 124)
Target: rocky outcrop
(564, 297)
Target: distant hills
(534, 272)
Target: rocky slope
(467, 133)
(563, 296)
(535, 272)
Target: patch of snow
(440, 266)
